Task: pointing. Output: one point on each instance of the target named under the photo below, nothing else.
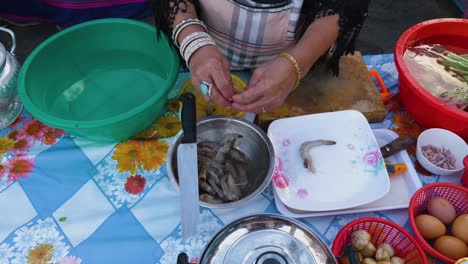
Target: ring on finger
(264, 110)
(206, 88)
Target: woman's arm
(329, 21)
(352, 16)
(207, 63)
(316, 40)
(272, 82)
(168, 13)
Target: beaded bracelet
(183, 24)
(296, 67)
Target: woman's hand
(269, 86)
(209, 65)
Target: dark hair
(164, 12)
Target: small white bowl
(442, 138)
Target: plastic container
(382, 231)
(441, 138)
(423, 106)
(104, 80)
(455, 194)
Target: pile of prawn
(222, 170)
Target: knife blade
(397, 145)
(188, 167)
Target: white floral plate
(348, 174)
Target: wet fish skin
(305, 152)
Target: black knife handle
(182, 259)
(188, 118)
(397, 145)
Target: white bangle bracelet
(183, 24)
(190, 47)
(193, 36)
(177, 27)
(194, 46)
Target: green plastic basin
(103, 80)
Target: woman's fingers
(252, 92)
(222, 80)
(261, 105)
(219, 98)
(215, 94)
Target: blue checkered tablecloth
(71, 200)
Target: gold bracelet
(296, 66)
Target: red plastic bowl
(423, 106)
(456, 194)
(382, 231)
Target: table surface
(77, 201)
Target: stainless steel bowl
(254, 143)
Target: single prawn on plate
(305, 152)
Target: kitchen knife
(188, 167)
(397, 145)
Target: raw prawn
(305, 152)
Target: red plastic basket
(382, 231)
(456, 194)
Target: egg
(451, 247)
(460, 227)
(442, 209)
(429, 226)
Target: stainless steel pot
(10, 104)
(266, 239)
(254, 143)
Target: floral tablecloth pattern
(67, 200)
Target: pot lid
(267, 239)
